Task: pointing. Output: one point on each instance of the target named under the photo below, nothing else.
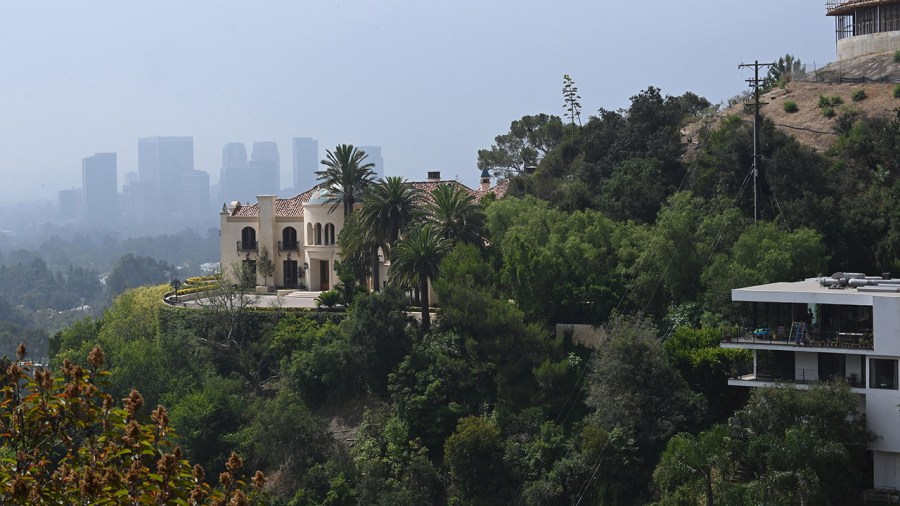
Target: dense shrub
(897, 91)
(329, 298)
(790, 106)
(858, 95)
(828, 112)
(897, 56)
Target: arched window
(248, 239)
(329, 233)
(318, 233)
(309, 233)
(289, 238)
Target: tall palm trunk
(423, 297)
(376, 269)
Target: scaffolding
(863, 17)
(838, 7)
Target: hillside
(808, 124)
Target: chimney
(434, 175)
(485, 180)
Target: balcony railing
(801, 377)
(247, 246)
(288, 246)
(814, 339)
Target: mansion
(300, 233)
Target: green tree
(376, 329)
(393, 469)
(132, 271)
(417, 261)
(359, 251)
(433, 387)
(529, 140)
(785, 69)
(803, 446)
(692, 467)
(346, 175)
(559, 267)
(473, 456)
(706, 367)
(632, 387)
(455, 215)
(763, 254)
(390, 206)
(264, 264)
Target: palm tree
(357, 241)
(416, 261)
(390, 205)
(456, 215)
(346, 175)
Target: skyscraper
(237, 181)
(100, 185)
(161, 163)
(374, 153)
(195, 195)
(69, 204)
(234, 154)
(266, 162)
(306, 163)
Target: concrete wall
(887, 470)
(883, 417)
(886, 325)
(851, 47)
(585, 335)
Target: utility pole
(756, 83)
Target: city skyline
(429, 84)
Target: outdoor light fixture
(305, 266)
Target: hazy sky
(429, 81)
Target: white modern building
(843, 326)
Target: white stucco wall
(883, 417)
(886, 325)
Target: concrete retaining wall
(585, 335)
(851, 47)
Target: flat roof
(808, 291)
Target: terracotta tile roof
(292, 207)
(499, 190)
(428, 186)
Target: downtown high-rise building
(195, 195)
(266, 163)
(100, 189)
(237, 181)
(374, 157)
(162, 161)
(305, 163)
(69, 203)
